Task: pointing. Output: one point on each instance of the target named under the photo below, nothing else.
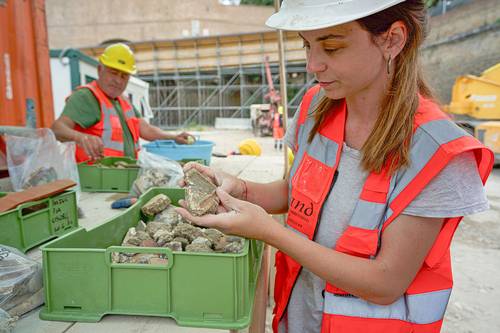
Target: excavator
(475, 106)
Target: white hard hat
(303, 15)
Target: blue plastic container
(200, 150)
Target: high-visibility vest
(109, 127)
(436, 140)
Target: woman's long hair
(391, 135)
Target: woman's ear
(395, 39)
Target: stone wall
(76, 23)
(465, 40)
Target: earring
(389, 62)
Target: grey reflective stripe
(423, 308)
(426, 141)
(323, 150)
(357, 307)
(315, 101)
(428, 307)
(108, 130)
(368, 215)
(443, 130)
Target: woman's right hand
(229, 183)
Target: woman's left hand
(235, 217)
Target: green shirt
(83, 108)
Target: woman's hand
(236, 217)
(230, 184)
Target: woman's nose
(315, 64)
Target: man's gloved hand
(92, 145)
(184, 138)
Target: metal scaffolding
(195, 80)
(187, 99)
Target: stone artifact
(42, 175)
(156, 205)
(169, 216)
(200, 193)
(150, 177)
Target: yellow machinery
(475, 105)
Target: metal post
(283, 84)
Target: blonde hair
(389, 141)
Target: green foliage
(431, 3)
(258, 2)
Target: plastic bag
(38, 158)
(6, 322)
(156, 171)
(20, 282)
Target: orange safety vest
(278, 131)
(435, 141)
(109, 128)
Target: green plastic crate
(33, 223)
(98, 179)
(213, 290)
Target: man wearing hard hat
(100, 120)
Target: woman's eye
(330, 51)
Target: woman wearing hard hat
(380, 181)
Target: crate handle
(132, 249)
(27, 205)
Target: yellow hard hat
(119, 56)
(249, 147)
(280, 109)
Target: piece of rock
(142, 258)
(156, 205)
(213, 235)
(187, 231)
(174, 246)
(198, 248)
(202, 240)
(220, 245)
(153, 226)
(201, 198)
(149, 243)
(162, 237)
(169, 216)
(158, 261)
(184, 242)
(234, 247)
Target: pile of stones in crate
(168, 229)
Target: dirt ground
(475, 302)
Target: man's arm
(151, 133)
(63, 129)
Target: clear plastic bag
(156, 171)
(20, 282)
(37, 158)
(6, 322)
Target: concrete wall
(76, 23)
(465, 40)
